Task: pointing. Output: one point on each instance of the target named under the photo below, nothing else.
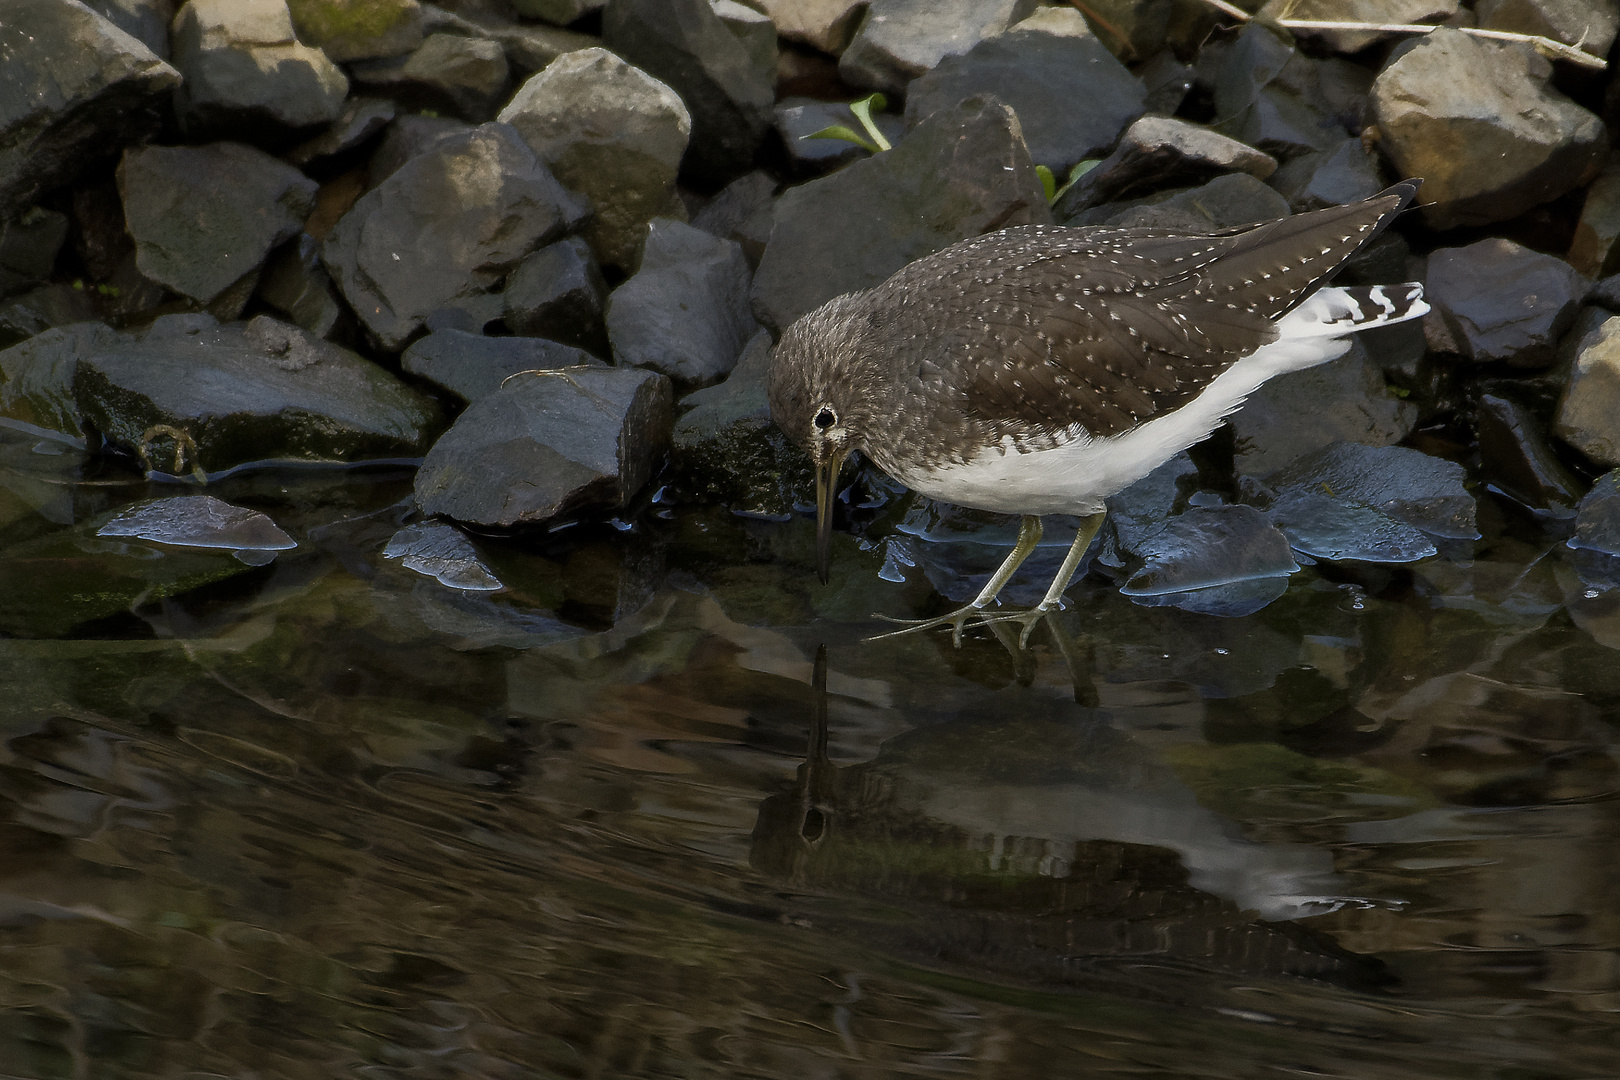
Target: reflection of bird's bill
(826, 488)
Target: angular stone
(244, 65)
(199, 521)
(1595, 250)
(1588, 24)
(1478, 122)
(561, 12)
(1233, 199)
(40, 309)
(544, 445)
(827, 25)
(1362, 11)
(445, 229)
(78, 91)
(1041, 67)
(743, 211)
(442, 552)
(1503, 302)
(900, 39)
(1294, 414)
(728, 88)
(407, 137)
(1159, 152)
(799, 117)
(753, 28)
(1408, 485)
(962, 172)
(348, 30)
(472, 366)
(1167, 82)
(1516, 458)
(558, 293)
(1329, 178)
(1271, 97)
(614, 134)
(36, 376)
(465, 75)
(1133, 30)
(203, 217)
(685, 312)
(528, 47)
(29, 244)
(1325, 527)
(295, 283)
(1209, 546)
(1589, 414)
(361, 120)
(1597, 524)
(147, 21)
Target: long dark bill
(826, 488)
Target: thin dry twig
(1554, 50)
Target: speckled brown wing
(1107, 328)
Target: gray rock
(78, 90)
(205, 217)
(1589, 414)
(685, 312)
(962, 172)
(29, 244)
(348, 30)
(1295, 414)
(444, 553)
(445, 229)
(1041, 67)
(1362, 11)
(1478, 122)
(189, 394)
(38, 310)
(544, 445)
(900, 39)
(753, 28)
(147, 21)
(1134, 514)
(1606, 293)
(1595, 249)
(362, 120)
(726, 448)
(1516, 458)
(1167, 82)
(743, 211)
(465, 75)
(1158, 152)
(1325, 527)
(1589, 24)
(1133, 30)
(1329, 178)
(561, 12)
(728, 88)
(1209, 546)
(528, 47)
(800, 117)
(558, 293)
(1597, 524)
(1271, 97)
(243, 65)
(1503, 302)
(827, 25)
(472, 366)
(1407, 485)
(199, 521)
(295, 283)
(1233, 199)
(407, 137)
(614, 134)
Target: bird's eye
(826, 418)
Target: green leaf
(1048, 183)
(1080, 169)
(839, 131)
(863, 112)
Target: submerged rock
(79, 91)
(962, 172)
(901, 39)
(244, 66)
(1597, 524)
(1209, 546)
(445, 229)
(685, 312)
(1503, 302)
(1589, 413)
(472, 366)
(1478, 122)
(1326, 527)
(1407, 485)
(201, 521)
(1159, 152)
(1516, 458)
(444, 553)
(553, 443)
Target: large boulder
(614, 134)
(445, 229)
(348, 30)
(1041, 67)
(962, 172)
(1478, 122)
(728, 87)
(205, 217)
(1589, 414)
(472, 366)
(685, 312)
(78, 90)
(1501, 302)
(244, 66)
(547, 444)
(901, 39)
(147, 21)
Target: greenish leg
(1060, 584)
(1029, 534)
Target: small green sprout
(862, 109)
(1049, 182)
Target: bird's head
(820, 393)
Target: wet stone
(1136, 512)
(29, 244)
(1041, 67)
(243, 65)
(199, 521)
(348, 30)
(79, 91)
(446, 228)
(295, 283)
(1209, 546)
(728, 87)
(1516, 458)
(442, 552)
(614, 134)
(901, 39)
(799, 117)
(147, 21)
(558, 293)
(464, 75)
(1589, 413)
(204, 217)
(1597, 524)
(1325, 527)
(1478, 122)
(742, 211)
(1503, 302)
(685, 312)
(362, 120)
(1407, 485)
(41, 309)
(472, 366)
(1159, 152)
(959, 173)
(549, 444)
(36, 376)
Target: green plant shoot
(873, 140)
(1049, 182)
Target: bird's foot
(1026, 620)
(957, 620)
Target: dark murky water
(327, 817)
